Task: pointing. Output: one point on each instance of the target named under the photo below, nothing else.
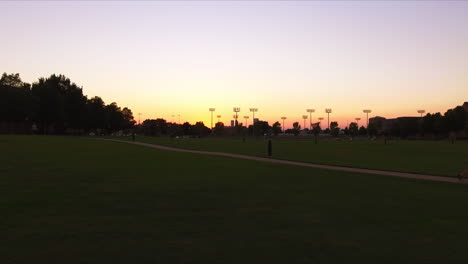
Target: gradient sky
(170, 58)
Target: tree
(154, 127)
(456, 119)
(95, 116)
(113, 117)
(316, 130)
(334, 129)
(58, 106)
(296, 128)
(200, 129)
(48, 92)
(353, 129)
(346, 131)
(276, 128)
(15, 98)
(128, 119)
(187, 128)
(174, 130)
(362, 131)
(219, 129)
(261, 128)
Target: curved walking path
(298, 163)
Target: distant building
(232, 123)
(378, 121)
(465, 105)
(404, 126)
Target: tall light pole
(367, 111)
(421, 112)
(236, 111)
(218, 116)
(310, 111)
(284, 128)
(328, 111)
(246, 117)
(253, 110)
(357, 121)
(211, 110)
(305, 118)
(139, 118)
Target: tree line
(57, 105)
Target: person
(133, 136)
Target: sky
(165, 59)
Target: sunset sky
(170, 58)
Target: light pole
(367, 111)
(253, 110)
(211, 110)
(246, 117)
(421, 112)
(357, 121)
(139, 118)
(305, 118)
(328, 111)
(236, 110)
(218, 116)
(284, 128)
(310, 111)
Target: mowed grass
(426, 157)
(73, 200)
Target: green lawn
(73, 200)
(428, 157)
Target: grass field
(428, 157)
(72, 200)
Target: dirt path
(297, 163)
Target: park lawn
(426, 157)
(75, 200)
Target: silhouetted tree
(95, 114)
(219, 129)
(113, 117)
(261, 128)
(316, 130)
(16, 103)
(456, 119)
(334, 129)
(174, 130)
(362, 131)
(296, 128)
(353, 129)
(276, 128)
(200, 129)
(187, 128)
